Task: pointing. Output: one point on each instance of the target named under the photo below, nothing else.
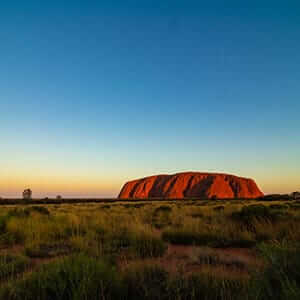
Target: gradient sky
(95, 93)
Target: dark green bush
(207, 287)
(11, 265)
(136, 205)
(3, 222)
(278, 206)
(19, 213)
(196, 215)
(47, 250)
(162, 208)
(162, 216)
(280, 279)
(185, 237)
(139, 244)
(147, 282)
(219, 208)
(9, 239)
(294, 206)
(206, 238)
(74, 278)
(258, 211)
(105, 206)
(39, 209)
(148, 246)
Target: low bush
(19, 213)
(74, 278)
(196, 215)
(219, 208)
(207, 287)
(12, 265)
(140, 244)
(209, 237)
(3, 222)
(39, 209)
(280, 280)
(105, 206)
(184, 236)
(162, 216)
(146, 245)
(145, 282)
(278, 206)
(163, 208)
(250, 213)
(46, 250)
(210, 257)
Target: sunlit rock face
(191, 185)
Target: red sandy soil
(235, 262)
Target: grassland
(151, 250)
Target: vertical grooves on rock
(172, 183)
(132, 192)
(191, 184)
(188, 186)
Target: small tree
(27, 194)
(58, 197)
(296, 195)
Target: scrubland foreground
(151, 250)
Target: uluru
(191, 185)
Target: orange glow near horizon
(96, 186)
(51, 186)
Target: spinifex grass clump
(45, 250)
(74, 278)
(137, 243)
(145, 282)
(153, 282)
(162, 216)
(213, 235)
(280, 279)
(39, 209)
(208, 287)
(147, 245)
(258, 211)
(12, 265)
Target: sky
(96, 93)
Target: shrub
(39, 209)
(207, 287)
(163, 208)
(161, 216)
(9, 239)
(11, 265)
(3, 222)
(188, 237)
(278, 206)
(141, 244)
(147, 245)
(280, 280)
(196, 215)
(219, 208)
(74, 278)
(145, 282)
(44, 250)
(105, 206)
(19, 213)
(257, 212)
(214, 236)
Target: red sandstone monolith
(191, 185)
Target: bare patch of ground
(193, 259)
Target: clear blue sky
(94, 93)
